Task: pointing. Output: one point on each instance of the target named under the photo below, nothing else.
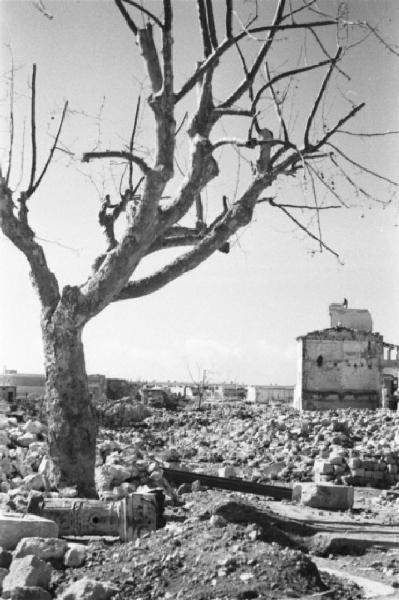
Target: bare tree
(153, 223)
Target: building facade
(32, 384)
(342, 366)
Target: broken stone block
(227, 471)
(4, 422)
(360, 472)
(336, 459)
(30, 593)
(27, 571)
(273, 468)
(35, 481)
(44, 548)
(26, 439)
(327, 496)
(75, 555)
(34, 427)
(323, 467)
(3, 575)
(5, 558)
(45, 466)
(88, 589)
(4, 439)
(15, 526)
(103, 479)
(5, 466)
(354, 463)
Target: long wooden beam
(278, 492)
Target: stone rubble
(352, 447)
(28, 571)
(341, 448)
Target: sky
(236, 316)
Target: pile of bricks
(358, 469)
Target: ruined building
(346, 365)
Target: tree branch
(363, 168)
(21, 235)
(213, 58)
(130, 23)
(284, 75)
(167, 43)
(140, 162)
(211, 24)
(33, 129)
(320, 95)
(229, 12)
(206, 38)
(150, 55)
(32, 189)
(305, 229)
(145, 11)
(331, 132)
(10, 150)
(177, 237)
(247, 82)
(131, 144)
(299, 206)
(277, 105)
(237, 216)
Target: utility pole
(201, 388)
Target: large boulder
(30, 593)
(15, 526)
(328, 497)
(27, 571)
(88, 589)
(44, 548)
(75, 556)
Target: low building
(32, 384)
(271, 394)
(226, 392)
(342, 366)
(8, 394)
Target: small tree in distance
(270, 146)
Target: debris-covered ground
(219, 544)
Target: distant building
(226, 392)
(271, 394)
(343, 366)
(32, 384)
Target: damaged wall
(339, 368)
(353, 318)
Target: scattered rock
(5, 558)
(75, 555)
(88, 589)
(27, 572)
(45, 548)
(328, 497)
(30, 593)
(15, 526)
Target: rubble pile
(253, 442)
(258, 443)
(124, 412)
(28, 573)
(350, 447)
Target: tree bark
(72, 424)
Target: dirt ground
(215, 545)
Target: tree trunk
(72, 424)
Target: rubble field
(215, 544)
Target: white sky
(237, 315)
